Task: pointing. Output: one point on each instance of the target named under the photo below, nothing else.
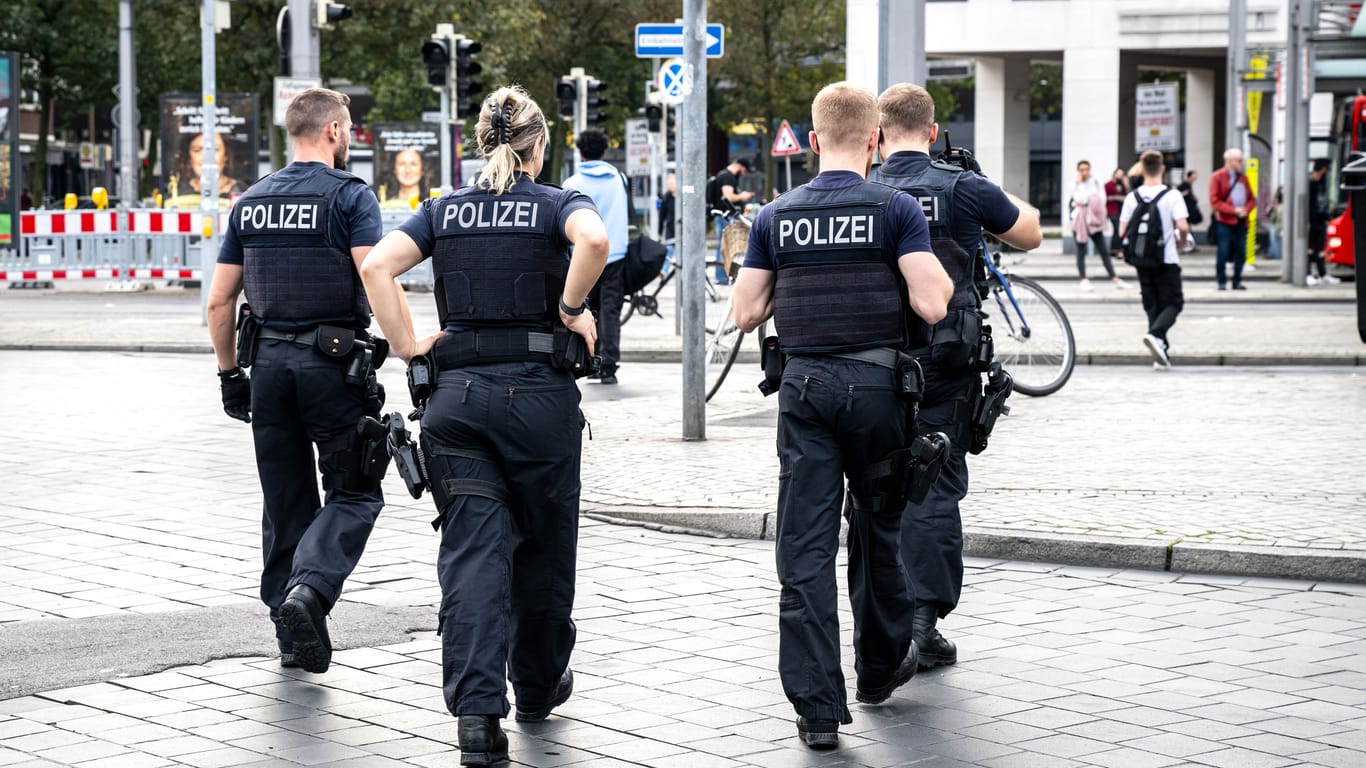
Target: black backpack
(1144, 243)
(713, 196)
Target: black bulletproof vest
(933, 187)
(295, 270)
(500, 259)
(837, 286)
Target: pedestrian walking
(668, 210)
(501, 431)
(1153, 223)
(1318, 224)
(1193, 215)
(1275, 216)
(724, 195)
(843, 265)
(1231, 197)
(607, 188)
(294, 241)
(959, 205)
(1088, 224)
(1115, 190)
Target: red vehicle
(1349, 128)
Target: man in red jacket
(1231, 197)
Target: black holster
(247, 329)
(991, 407)
(571, 354)
(772, 359)
(367, 456)
(408, 456)
(421, 379)
(905, 475)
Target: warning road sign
(785, 143)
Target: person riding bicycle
(843, 266)
(959, 204)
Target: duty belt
(307, 338)
(885, 357)
(494, 346)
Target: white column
(1201, 153)
(1001, 132)
(1090, 113)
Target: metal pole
(884, 38)
(1298, 87)
(692, 188)
(904, 22)
(128, 109)
(1233, 69)
(678, 213)
(208, 173)
(304, 58)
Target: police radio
(959, 156)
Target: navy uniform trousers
(505, 440)
(835, 418)
(299, 399)
(932, 531)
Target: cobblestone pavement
(675, 666)
(131, 499)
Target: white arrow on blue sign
(667, 40)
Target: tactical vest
(500, 259)
(837, 287)
(296, 271)
(933, 187)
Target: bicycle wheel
(628, 307)
(723, 346)
(1033, 338)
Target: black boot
(303, 613)
(818, 734)
(482, 741)
(878, 691)
(534, 713)
(935, 651)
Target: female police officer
(502, 429)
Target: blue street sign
(667, 40)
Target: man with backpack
(1153, 224)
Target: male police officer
(840, 263)
(959, 204)
(296, 239)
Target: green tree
(68, 55)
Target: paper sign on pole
(1157, 118)
(785, 143)
(637, 147)
(286, 88)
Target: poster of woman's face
(407, 162)
(182, 147)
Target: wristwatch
(572, 311)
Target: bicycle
(648, 303)
(723, 335)
(1040, 356)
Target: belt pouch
(334, 341)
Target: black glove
(236, 386)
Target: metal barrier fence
(131, 244)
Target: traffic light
(596, 101)
(566, 96)
(436, 57)
(671, 129)
(654, 115)
(465, 69)
(326, 14)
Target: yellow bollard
(208, 223)
(100, 197)
(156, 200)
(70, 201)
(1251, 244)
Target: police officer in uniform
(959, 205)
(295, 239)
(501, 432)
(842, 265)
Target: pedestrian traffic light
(566, 96)
(466, 88)
(436, 57)
(596, 101)
(654, 116)
(326, 14)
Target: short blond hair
(844, 115)
(906, 109)
(314, 109)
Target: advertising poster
(407, 162)
(182, 147)
(9, 149)
(1157, 120)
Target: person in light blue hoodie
(604, 183)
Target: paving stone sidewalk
(675, 667)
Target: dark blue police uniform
(841, 310)
(292, 233)
(958, 205)
(502, 438)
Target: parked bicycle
(723, 335)
(646, 300)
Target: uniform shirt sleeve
(1126, 211)
(361, 215)
(419, 227)
(577, 201)
(759, 251)
(987, 203)
(908, 225)
(231, 250)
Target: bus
(1349, 131)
